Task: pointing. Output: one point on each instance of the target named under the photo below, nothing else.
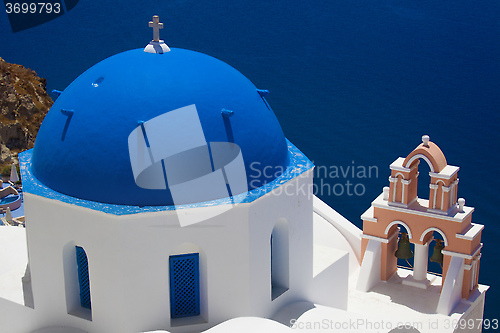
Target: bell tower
(399, 207)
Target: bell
(404, 251)
(437, 255)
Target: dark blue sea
(353, 83)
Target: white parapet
(369, 275)
(451, 293)
(350, 232)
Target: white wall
(128, 261)
(291, 202)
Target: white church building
(162, 195)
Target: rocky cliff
(24, 102)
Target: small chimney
(425, 140)
(386, 193)
(461, 204)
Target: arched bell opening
(429, 256)
(423, 180)
(405, 248)
(436, 257)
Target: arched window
(76, 281)
(280, 270)
(83, 277)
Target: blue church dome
(83, 148)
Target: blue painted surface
(298, 163)
(227, 113)
(184, 285)
(263, 92)
(85, 154)
(83, 277)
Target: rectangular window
(83, 277)
(184, 285)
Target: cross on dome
(156, 25)
(156, 45)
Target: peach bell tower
(444, 179)
(399, 206)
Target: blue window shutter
(184, 285)
(83, 277)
